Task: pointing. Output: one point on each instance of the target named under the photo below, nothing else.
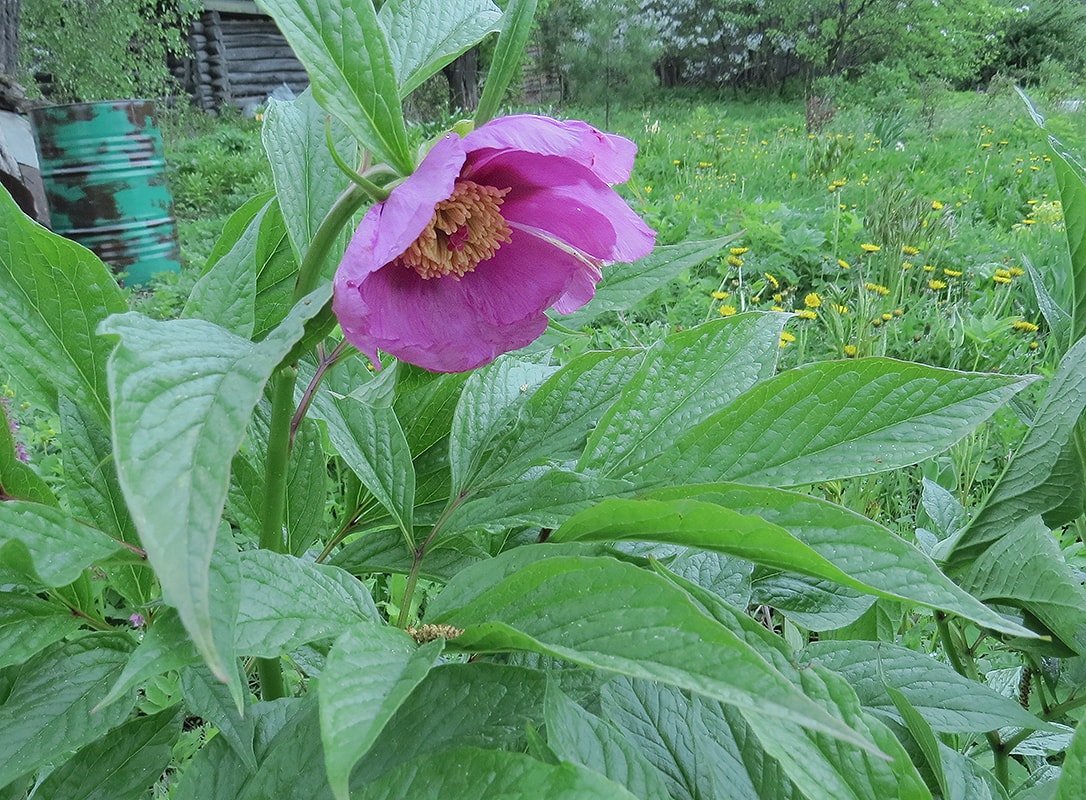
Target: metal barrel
(105, 180)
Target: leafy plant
(605, 574)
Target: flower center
(467, 228)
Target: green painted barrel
(105, 180)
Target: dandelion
(776, 308)
(1014, 272)
(719, 295)
(460, 263)
(899, 312)
(843, 264)
(876, 322)
(1034, 345)
(952, 273)
(877, 288)
(906, 265)
(773, 281)
(909, 250)
(887, 317)
(839, 308)
(738, 251)
(756, 298)
(850, 350)
(727, 311)
(735, 261)
(936, 285)
(786, 338)
(807, 313)
(1024, 326)
(1028, 221)
(867, 247)
(1001, 279)
(812, 300)
(936, 205)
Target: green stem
(309, 272)
(276, 464)
(270, 672)
(1057, 711)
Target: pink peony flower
(460, 262)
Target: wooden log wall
(239, 59)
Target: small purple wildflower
(13, 427)
(137, 620)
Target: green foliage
(103, 49)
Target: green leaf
(307, 179)
(122, 766)
(614, 616)
(210, 699)
(824, 770)
(1024, 489)
(287, 602)
(946, 700)
(1072, 783)
(494, 705)
(165, 646)
(19, 481)
(425, 35)
(508, 52)
(788, 531)
(291, 760)
(1059, 321)
(53, 294)
(183, 392)
(47, 547)
(489, 405)
(307, 489)
(29, 624)
(684, 379)
(703, 749)
(583, 738)
(1028, 570)
(471, 772)
(347, 56)
(1071, 177)
(47, 713)
(386, 551)
(225, 294)
(544, 502)
(625, 285)
(555, 421)
(95, 495)
(811, 603)
(370, 671)
(831, 420)
(368, 437)
(924, 737)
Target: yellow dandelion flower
(952, 273)
(887, 317)
(843, 264)
(1000, 279)
(756, 299)
(727, 311)
(776, 308)
(909, 250)
(676, 162)
(867, 247)
(778, 297)
(1034, 345)
(1028, 221)
(776, 283)
(936, 285)
(876, 322)
(786, 338)
(906, 265)
(735, 261)
(1024, 326)
(850, 350)
(840, 309)
(738, 251)
(812, 300)
(936, 205)
(877, 288)
(719, 295)
(1014, 272)
(807, 313)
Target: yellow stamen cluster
(1024, 326)
(467, 228)
(428, 632)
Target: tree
(9, 36)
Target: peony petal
(568, 201)
(435, 323)
(609, 156)
(400, 218)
